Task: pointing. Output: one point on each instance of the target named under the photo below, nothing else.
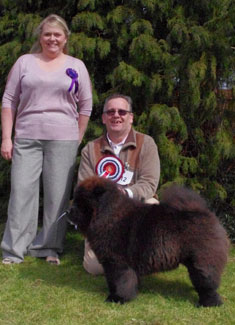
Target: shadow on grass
(169, 285)
(71, 274)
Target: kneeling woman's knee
(90, 261)
(92, 266)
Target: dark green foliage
(226, 208)
(4, 188)
(172, 57)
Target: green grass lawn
(35, 292)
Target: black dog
(131, 238)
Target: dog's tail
(182, 198)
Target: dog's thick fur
(131, 238)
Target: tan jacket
(139, 154)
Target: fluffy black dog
(131, 238)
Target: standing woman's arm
(84, 99)
(7, 121)
(10, 102)
(82, 123)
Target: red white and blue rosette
(110, 167)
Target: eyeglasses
(121, 112)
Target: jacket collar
(130, 142)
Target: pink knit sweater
(45, 109)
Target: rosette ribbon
(74, 76)
(110, 167)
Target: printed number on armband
(126, 178)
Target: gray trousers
(55, 161)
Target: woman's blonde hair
(53, 20)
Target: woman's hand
(6, 149)
(121, 188)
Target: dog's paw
(210, 300)
(115, 298)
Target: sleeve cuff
(129, 192)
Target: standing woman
(48, 102)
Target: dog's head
(91, 197)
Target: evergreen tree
(171, 56)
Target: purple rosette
(74, 76)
